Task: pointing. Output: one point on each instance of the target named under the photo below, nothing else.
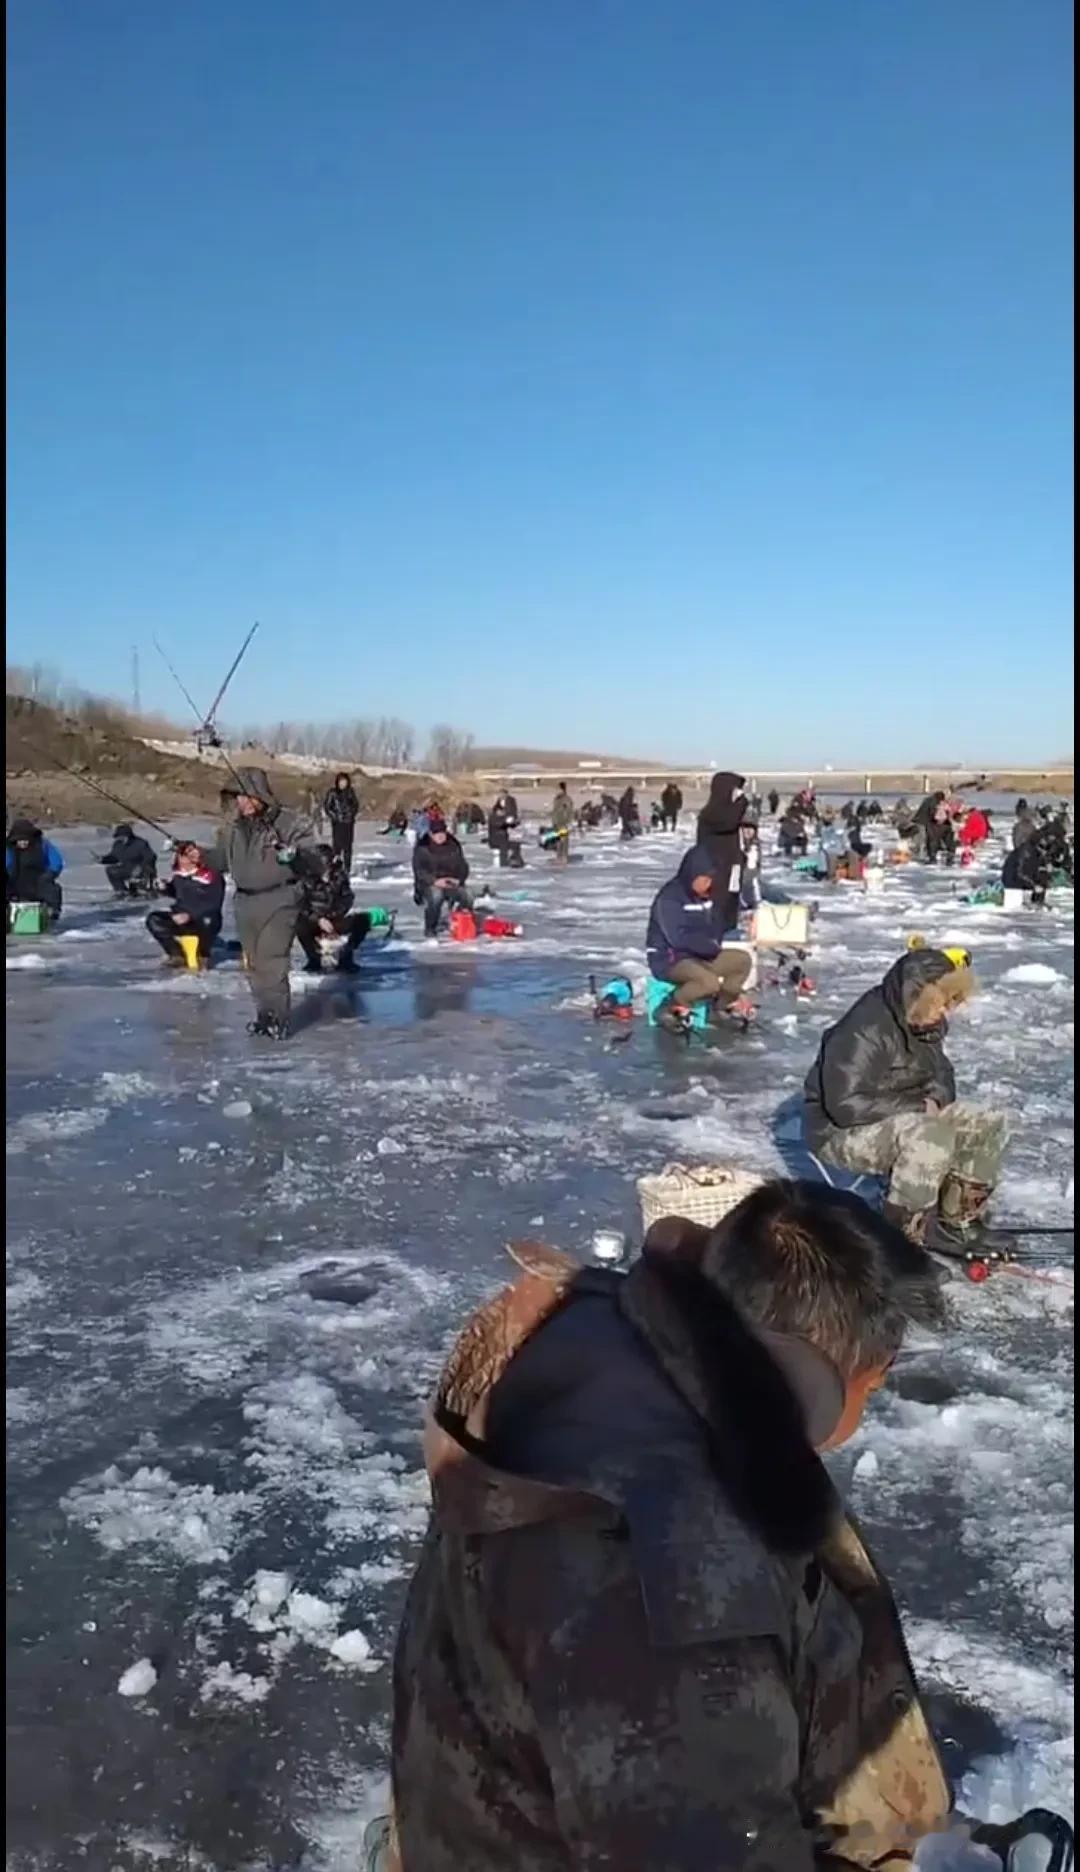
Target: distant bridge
(828, 780)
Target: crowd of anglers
(643, 1630)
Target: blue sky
(688, 378)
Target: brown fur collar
(936, 999)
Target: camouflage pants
(917, 1151)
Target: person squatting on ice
(689, 918)
(342, 808)
(643, 1633)
(33, 866)
(130, 863)
(440, 873)
(326, 911)
(881, 1097)
(198, 894)
(268, 849)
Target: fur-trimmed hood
(923, 987)
(578, 1384)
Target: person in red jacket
(976, 828)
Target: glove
(286, 854)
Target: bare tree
(449, 750)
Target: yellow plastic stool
(189, 948)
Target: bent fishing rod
(220, 747)
(207, 720)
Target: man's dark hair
(820, 1264)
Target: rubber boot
(958, 1226)
(347, 963)
(911, 1222)
(674, 1020)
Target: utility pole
(136, 699)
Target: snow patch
(138, 1680)
(150, 1509)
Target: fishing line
(113, 798)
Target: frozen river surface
(231, 1272)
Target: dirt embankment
(41, 742)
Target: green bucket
(27, 919)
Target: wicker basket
(700, 1193)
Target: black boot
(959, 1226)
(311, 967)
(347, 963)
(267, 1027)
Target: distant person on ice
(342, 808)
(562, 819)
(130, 863)
(502, 825)
(881, 1097)
(268, 849)
(671, 805)
(33, 865)
(326, 910)
(685, 940)
(440, 873)
(976, 828)
(198, 896)
(629, 815)
(642, 1634)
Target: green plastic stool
(659, 992)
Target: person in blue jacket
(684, 943)
(33, 867)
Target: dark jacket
(718, 830)
(1025, 827)
(628, 809)
(38, 857)
(671, 798)
(431, 861)
(253, 850)
(928, 807)
(200, 893)
(884, 1057)
(341, 805)
(682, 925)
(130, 854)
(329, 896)
(502, 819)
(642, 1635)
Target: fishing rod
(113, 798)
(220, 745)
(233, 667)
(186, 693)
